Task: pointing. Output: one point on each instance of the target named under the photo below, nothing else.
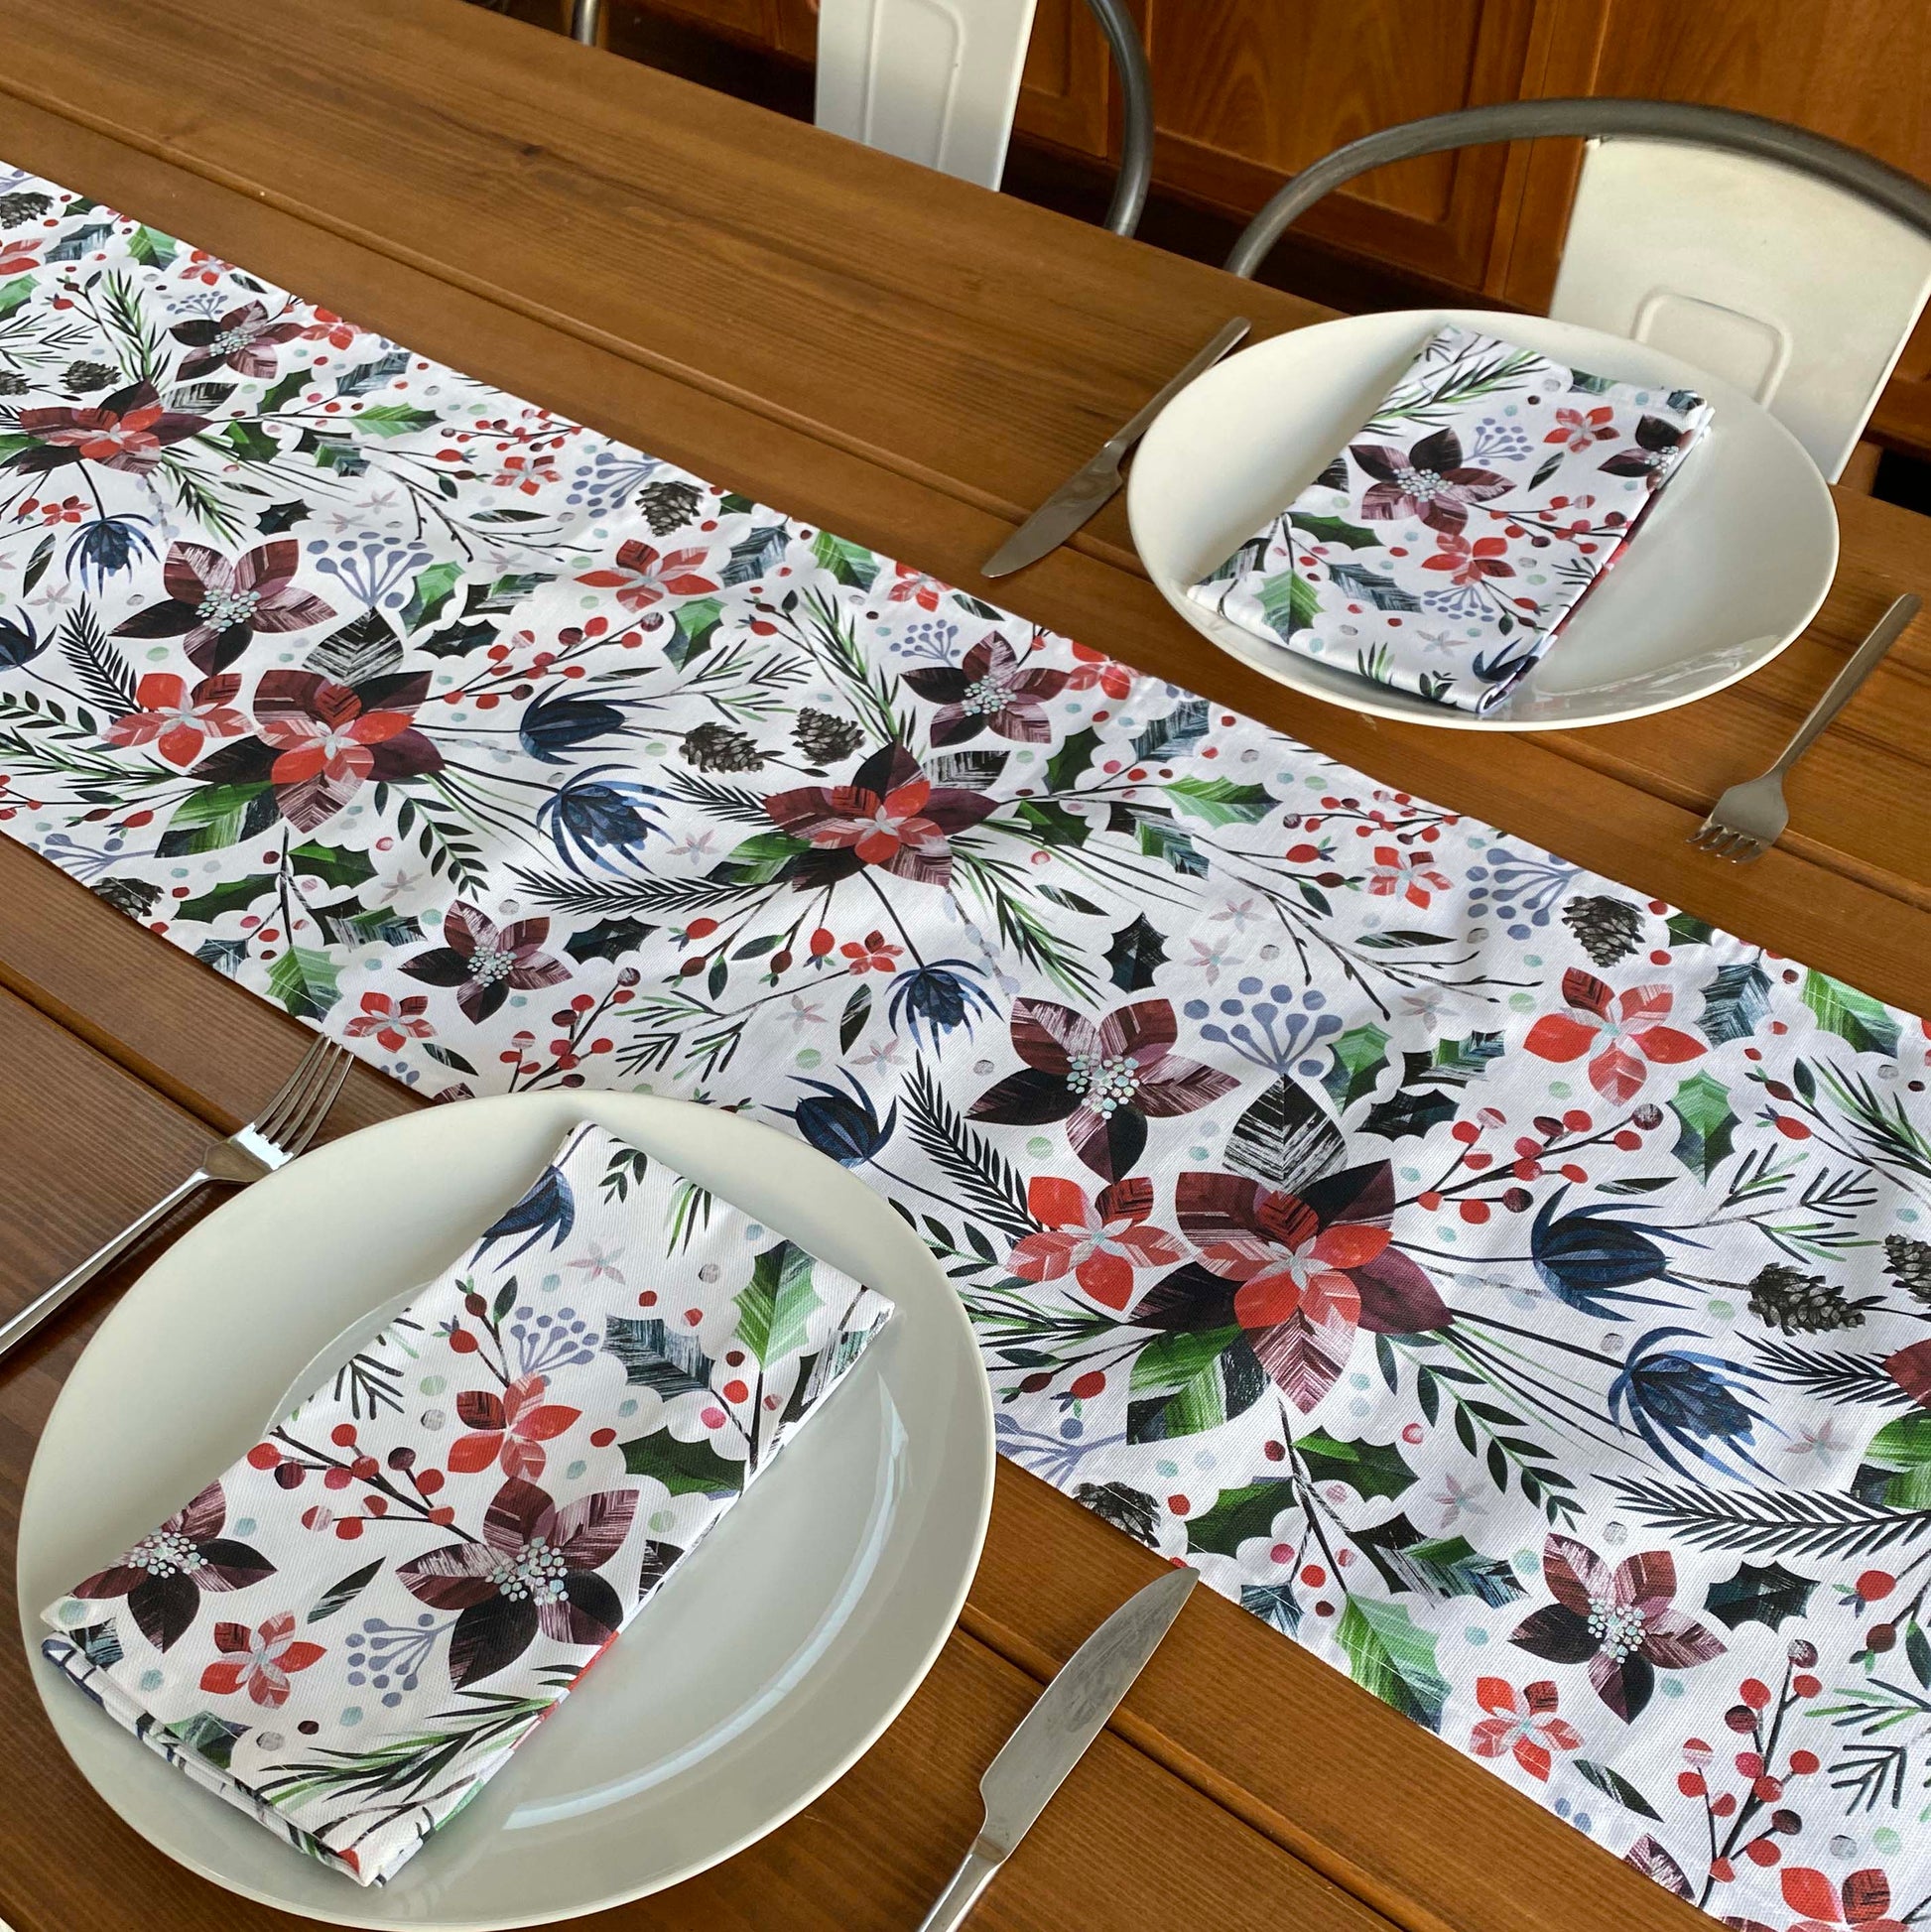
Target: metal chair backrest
(1790, 264)
(937, 82)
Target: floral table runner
(1511, 1289)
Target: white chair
(937, 82)
(1792, 265)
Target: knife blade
(1095, 484)
(1051, 1737)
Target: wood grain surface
(913, 362)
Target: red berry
(1577, 1122)
(1691, 1784)
(1876, 1585)
(463, 1342)
(442, 1514)
(702, 928)
(822, 943)
(336, 1478)
(264, 1455)
(1762, 1850)
(602, 1437)
(1803, 1762)
(349, 1528)
(430, 1481)
(1805, 1685)
(1303, 854)
(735, 1391)
(1722, 1871)
(1314, 1576)
(1755, 1692)
(1429, 1199)
(1087, 1387)
(342, 1434)
(1474, 1212)
(1178, 1505)
(1466, 1132)
(365, 1466)
(1628, 1141)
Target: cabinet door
(1250, 92)
(1066, 94)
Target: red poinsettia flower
(484, 961)
(1093, 669)
(1620, 1031)
(128, 430)
(330, 328)
(393, 1022)
(244, 340)
(261, 1660)
(1470, 562)
(1864, 1901)
(987, 689)
(19, 255)
(164, 1574)
(178, 722)
(641, 576)
(1581, 430)
(1428, 482)
(1409, 875)
(330, 738)
(1622, 1623)
(1102, 1243)
(1105, 1079)
(1311, 1269)
(215, 605)
(891, 816)
(1522, 1723)
(508, 1428)
(913, 587)
(535, 1571)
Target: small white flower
(400, 884)
(1455, 1502)
(804, 1014)
(1238, 913)
(596, 1263)
(1210, 962)
(1821, 1443)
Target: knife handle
(961, 1894)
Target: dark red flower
(262, 1659)
(127, 431)
(330, 739)
(534, 1571)
(1657, 445)
(1470, 562)
(215, 607)
(891, 816)
(1103, 1079)
(1427, 482)
(164, 1574)
(1313, 1268)
(508, 1427)
(1622, 1623)
(987, 689)
(243, 341)
(483, 962)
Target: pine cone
(716, 747)
(11, 384)
(823, 738)
(1782, 1297)
(1607, 930)
(668, 506)
(1131, 1509)
(83, 378)
(16, 209)
(1909, 1263)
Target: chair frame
(1859, 174)
(1136, 102)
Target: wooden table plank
(759, 261)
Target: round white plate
(1728, 567)
(800, 1627)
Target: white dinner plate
(1728, 567)
(799, 1628)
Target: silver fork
(282, 1130)
(1751, 816)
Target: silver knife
(1087, 491)
(1068, 1715)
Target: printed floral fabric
(1508, 1287)
(1443, 549)
(348, 1632)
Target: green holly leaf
(13, 298)
(1867, 1024)
(395, 419)
(758, 859)
(1065, 767)
(1896, 1467)
(1706, 1124)
(304, 981)
(1369, 1469)
(250, 442)
(1392, 1660)
(216, 817)
(852, 564)
(285, 389)
(1239, 1515)
(1334, 530)
(1137, 950)
(1685, 928)
(774, 1312)
(1411, 1111)
(1289, 603)
(1759, 1594)
(1734, 1001)
(282, 516)
(1221, 801)
(1359, 1054)
(1161, 839)
(431, 590)
(686, 1468)
(336, 865)
(232, 895)
(695, 622)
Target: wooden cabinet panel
(1066, 94)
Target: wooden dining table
(913, 362)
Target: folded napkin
(1445, 547)
(348, 1632)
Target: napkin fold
(1444, 547)
(349, 1630)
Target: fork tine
(1745, 850)
(288, 1095)
(296, 1136)
(1708, 836)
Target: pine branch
(591, 898)
(103, 673)
(736, 805)
(1772, 1523)
(982, 1175)
(1836, 1378)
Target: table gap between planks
(914, 362)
